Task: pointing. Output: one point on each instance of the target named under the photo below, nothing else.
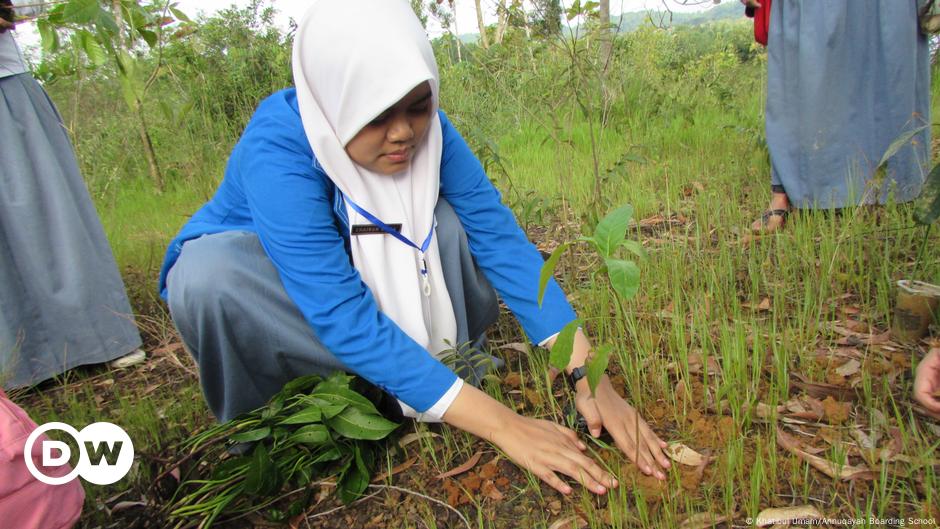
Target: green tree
(117, 32)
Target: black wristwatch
(576, 374)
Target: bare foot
(772, 219)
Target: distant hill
(627, 22)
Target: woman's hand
(927, 382)
(607, 410)
(542, 447)
(546, 448)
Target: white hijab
(352, 60)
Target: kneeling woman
(355, 230)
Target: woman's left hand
(606, 409)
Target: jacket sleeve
(510, 262)
(290, 201)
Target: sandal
(765, 220)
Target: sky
(466, 14)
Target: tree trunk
(484, 40)
(502, 21)
(453, 9)
(606, 37)
(119, 21)
(151, 155)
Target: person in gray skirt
(62, 300)
(355, 230)
(845, 79)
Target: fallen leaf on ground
(570, 522)
(764, 305)
(821, 391)
(412, 437)
(836, 412)
(849, 368)
(844, 472)
(703, 520)
(684, 455)
(125, 505)
(787, 514)
(398, 468)
(474, 459)
(512, 380)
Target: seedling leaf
(597, 365)
(312, 434)
(251, 435)
(611, 231)
(624, 277)
(548, 268)
(355, 424)
(898, 143)
(308, 415)
(564, 344)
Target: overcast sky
(466, 15)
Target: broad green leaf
(928, 208)
(624, 277)
(149, 37)
(355, 478)
(332, 454)
(307, 415)
(596, 366)
(635, 248)
(898, 143)
(300, 385)
(343, 395)
(49, 36)
(329, 409)
(561, 351)
(355, 424)
(574, 10)
(81, 12)
(312, 434)
(251, 435)
(181, 16)
(92, 49)
(548, 268)
(612, 230)
(263, 476)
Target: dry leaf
(399, 468)
(512, 380)
(684, 455)
(703, 520)
(474, 459)
(836, 412)
(516, 346)
(849, 368)
(787, 514)
(764, 305)
(125, 505)
(570, 522)
(412, 437)
(844, 472)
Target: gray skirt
(62, 300)
(845, 78)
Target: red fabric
(762, 22)
(26, 502)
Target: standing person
(845, 78)
(355, 230)
(62, 301)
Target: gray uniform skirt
(845, 78)
(62, 300)
(249, 338)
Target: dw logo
(105, 453)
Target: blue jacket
(274, 187)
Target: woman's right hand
(542, 447)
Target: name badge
(372, 229)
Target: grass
(693, 165)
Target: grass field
(762, 354)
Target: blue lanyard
(394, 233)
